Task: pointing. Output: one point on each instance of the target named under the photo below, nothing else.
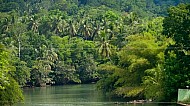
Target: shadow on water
(74, 95)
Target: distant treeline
(141, 7)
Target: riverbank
(183, 104)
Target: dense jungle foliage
(133, 48)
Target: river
(73, 95)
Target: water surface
(74, 95)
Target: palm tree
(60, 27)
(95, 32)
(34, 24)
(104, 48)
(43, 65)
(85, 30)
(56, 22)
(5, 25)
(71, 29)
(14, 28)
(17, 30)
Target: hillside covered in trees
(131, 48)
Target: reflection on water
(72, 95)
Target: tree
(40, 72)
(64, 74)
(139, 70)
(76, 60)
(11, 94)
(176, 25)
(22, 73)
(43, 66)
(34, 24)
(10, 91)
(105, 48)
(4, 66)
(72, 29)
(14, 30)
(85, 30)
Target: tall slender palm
(14, 29)
(95, 32)
(17, 30)
(56, 22)
(5, 25)
(85, 30)
(72, 29)
(104, 48)
(34, 24)
(60, 27)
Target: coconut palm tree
(34, 23)
(85, 30)
(5, 25)
(71, 29)
(104, 48)
(95, 32)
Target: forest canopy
(131, 48)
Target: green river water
(74, 95)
